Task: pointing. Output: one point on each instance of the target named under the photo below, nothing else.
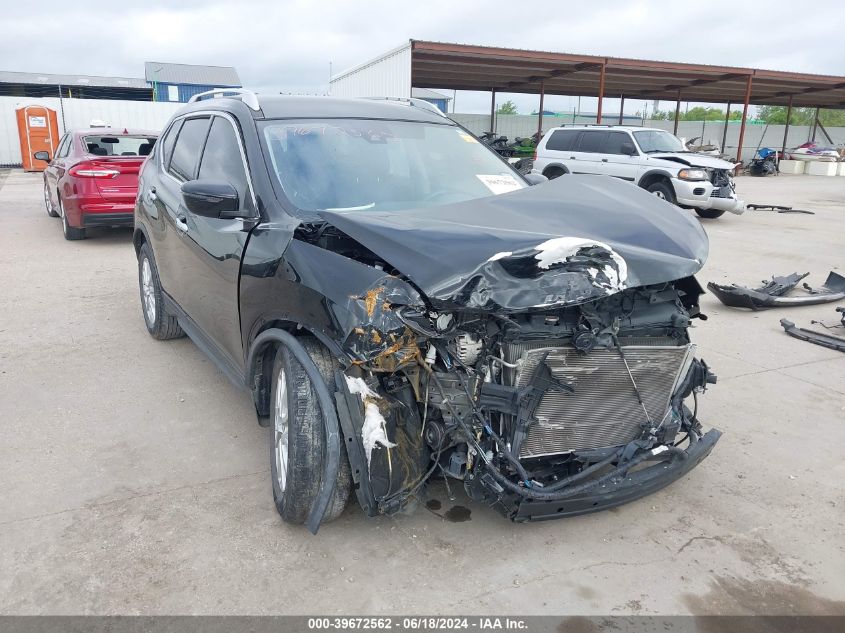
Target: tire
(47, 204)
(662, 190)
(70, 232)
(710, 213)
(297, 445)
(554, 172)
(160, 324)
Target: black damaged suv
(403, 305)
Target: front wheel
(710, 213)
(299, 438)
(662, 190)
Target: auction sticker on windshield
(499, 183)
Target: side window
(562, 140)
(221, 159)
(186, 151)
(165, 145)
(592, 142)
(615, 140)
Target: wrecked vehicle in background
(409, 309)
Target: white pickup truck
(652, 158)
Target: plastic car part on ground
(818, 338)
(772, 293)
(778, 208)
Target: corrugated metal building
(17, 84)
(388, 75)
(438, 99)
(180, 82)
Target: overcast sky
(288, 46)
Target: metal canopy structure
(463, 67)
(466, 67)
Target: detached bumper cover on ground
(772, 294)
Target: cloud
(287, 46)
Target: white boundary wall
(78, 114)
(386, 76)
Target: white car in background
(652, 158)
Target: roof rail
(412, 101)
(247, 96)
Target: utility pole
(62, 109)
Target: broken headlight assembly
(692, 174)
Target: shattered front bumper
(633, 486)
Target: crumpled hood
(694, 160)
(571, 240)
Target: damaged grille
(603, 411)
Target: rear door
(210, 258)
(163, 197)
(614, 161)
(589, 152)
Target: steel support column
(540, 118)
(621, 107)
(744, 117)
(677, 114)
(725, 131)
(492, 111)
(786, 127)
(815, 125)
(601, 92)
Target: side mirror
(45, 156)
(211, 199)
(535, 179)
(628, 149)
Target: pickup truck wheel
(298, 438)
(662, 190)
(70, 232)
(710, 213)
(160, 324)
(47, 204)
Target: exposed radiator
(603, 411)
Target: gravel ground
(134, 479)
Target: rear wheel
(709, 213)
(160, 324)
(70, 232)
(298, 440)
(662, 190)
(47, 204)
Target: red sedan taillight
(91, 169)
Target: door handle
(604, 160)
(572, 158)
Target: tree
(508, 107)
(776, 115)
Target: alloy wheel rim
(281, 416)
(148, 291)
(660, 195)
(47, 199)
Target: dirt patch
(737, 596)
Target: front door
(211, 251)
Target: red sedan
(93, 178)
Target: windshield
(658, 141)
(119, 145)
(360, 165)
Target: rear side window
(119, 145)
(615, 140)
(221, 159)
(592, 141)
(64, 146)
(186, 152)
(562, 140)
(167, 142)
